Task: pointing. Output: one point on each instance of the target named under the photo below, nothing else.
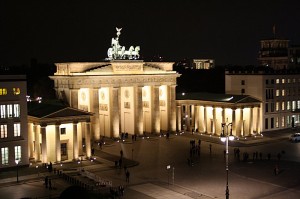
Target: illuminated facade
(129, 96)
(278, 91)
(13, 121)
(205, 113)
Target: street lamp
(17, 163)
(226, 137)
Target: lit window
(288, 105)
(16, 110)
(3, 131)
(289, 81)
(282, 106)
(283, 92)
(4, 155)
(283, 81)
(298, 104)
(3, 91)
(9, 110)
(3, 111)
(294, 80)
(18, 153)
(277, 106)
(294, 105)
(277, 92)
(277, 81)
(16, 91)
(277, 122)
(282, 121)
(17, 129)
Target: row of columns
(115, 112)
(40, 153)
(195, 123)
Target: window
(272, 106)
(272, 122)
(16, 91)
(3, 91)
(9, 110)
(267, 107)
(267, 81)
(3, 111)
(266, 123)
(4, 155)
(298, 104)
(277, 106)
(294, 105)
(63, 131)
(16, 110)
(63, 147)
(277, 122)
(277, 81)
(277, 92)
(272, 81)
(288, 81)
(283, 81)
(18, 153)
(3, 131)
(243, 82)
(282, 121)
(283, 92)
(17, 129)
(288, 105)
(282, 106)
(243, 91)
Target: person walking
(127, 176)
(210, 149)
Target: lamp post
(226, 137)
(17, 163)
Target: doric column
(179, 118)
(74, 97)
(57, 143)
(223, 115)
(94, 104)
(37, 143)
(205, 120)
(196, 117)
(44, 144)
(214, 121)
(188, 117)
(155, 110)
(192, 117)
(115, 116)
(75, 142)
(258, 123)
(172, 108)
(88, 139)
(30, 140)
(251, 121)
(241, 132)
(233, 122)
(138, 102)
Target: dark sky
(228, 31)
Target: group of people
(48, 182)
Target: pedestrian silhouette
(210, 148)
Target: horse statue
(128, 53)
(135, 53)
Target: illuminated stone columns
(223, 115)
(57, 143)
(75, 142)
(88, 139)
(138, 110)
(192, 117)
(197, 110)
(233, 122)
(115, 114)
(44, 143)
(242, 131)
(251, 121)
(179, 118)
(205, 120)
(155, 109)
(37, 143)
(94, 104)
(214, 121)
(172, 108)
(258, 121)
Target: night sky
(67, 31)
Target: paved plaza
(159, 169)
